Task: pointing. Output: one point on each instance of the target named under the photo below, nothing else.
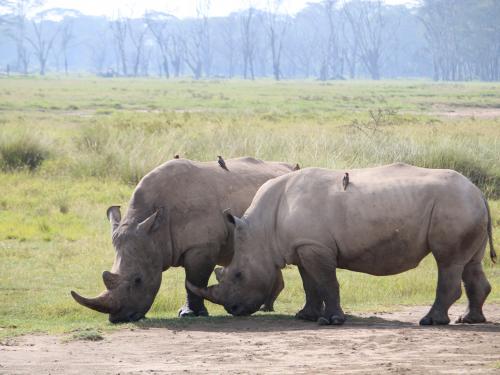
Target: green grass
(98, 137)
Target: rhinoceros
(385, 222)
(175, 219)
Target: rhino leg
(448, 291)
(198, 266)
(319, 264)
(477, 288)
(312, 309)
(278, 286)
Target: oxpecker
(345, 180)
(222, 163)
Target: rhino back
(380, 224)
(194, 195)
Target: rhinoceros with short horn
(386, 221)
(175, 219)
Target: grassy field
(69, 148)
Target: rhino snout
(124, 318)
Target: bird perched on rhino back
(222, 163)
(345, 181)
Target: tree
(276, 28)
(137, 32)
(157, 23)
(120, 31)
(247, 42)
(17, 21)
(42, 40)
(198, 48)
(372, 30)
(332, 66)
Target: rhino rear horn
(111, 280)
(114, 216)
(102, 303)
(153, 222)
(210, 294)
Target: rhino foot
(471, 318)
(186, 312)
(322, 321)
(337, 320)
(267, 308)
(307, 315)
(429, 321)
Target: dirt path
(368, 343)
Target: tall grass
(127, 153)
(21, 151)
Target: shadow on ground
(280, 322)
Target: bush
(21, 152)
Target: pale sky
(179, 8)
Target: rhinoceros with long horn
(384, 223)
(175, 218)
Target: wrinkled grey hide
(175, 218)
(385, 222)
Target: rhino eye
(137, 280)
(238, 275)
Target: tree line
(334, 39)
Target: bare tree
(332, 64)
(41, 42)
(198, 48)
(17, 20)
(137, 34)
(120, 31)
(372, 31)
(157, 23)
(177, 50)
(228, 36)
(247, 42)
(276, 28)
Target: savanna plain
(71, 147)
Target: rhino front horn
(209, 293)
(102, 303)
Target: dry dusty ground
(368, 343)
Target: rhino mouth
(131, 317)
(239, 310)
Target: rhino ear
(114, 216)
(231, 221)
(219, 273)
(153, 222)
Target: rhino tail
(493, 254)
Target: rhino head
(247, 281)
(136, 274)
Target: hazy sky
(179, 8)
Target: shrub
(21, 152)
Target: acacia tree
(42, 41)
(372, 30)
(247, 42)
(276, 29)
(229, 37)
(157, 23)
(17, 22)
(331, 65)
(137, 33)
(120, 31)
(177, 50)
